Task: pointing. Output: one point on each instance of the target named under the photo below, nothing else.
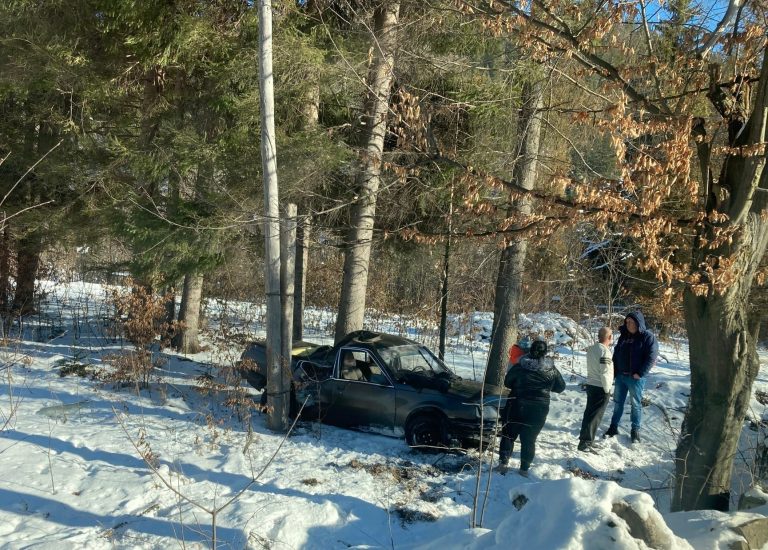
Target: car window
(413, 359)
(359, 365)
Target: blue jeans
(622, 385)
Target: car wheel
(426, 432)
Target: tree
(277, 382)
(648, 92)
(510, 278)
(42, 83)
(185, 338)
(358, 247)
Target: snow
(553, 327)
(91, 465)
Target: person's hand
(636, 376)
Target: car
(381, 382)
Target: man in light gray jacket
(599, 382)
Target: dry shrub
(235, 396)
(142, 317)
(134, 367)
(408, 515)
(583, 474)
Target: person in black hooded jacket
(530, 382)
(634, 355)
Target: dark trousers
(597, 401)
(525, 419)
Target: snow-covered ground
(89, 465)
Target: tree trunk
(170, 310)
(287, 283)
(186, 338)
(358, 247)
(311, 106)
(724, 364)
(723, 357)
(444, 288)
(28, 251)
(300, 284)
(509, 282)
(277, 418)
(5, 267)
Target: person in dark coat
(633, 356)
(530, 383)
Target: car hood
(465, 390)
(469, 390)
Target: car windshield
(414, 359)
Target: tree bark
(723, 357)
(445, 287)
(444, 290)
(509, 282)
(28, 250)
(277, 418)
(303, 231)
(186, 338)
(358, 247)
(311, 106)
(287, 283)
(5, 267)
(724, 365)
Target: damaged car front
(436, 406)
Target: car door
(360, 400)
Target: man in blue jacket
(634, 355)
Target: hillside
(92, 464)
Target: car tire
(426, 432)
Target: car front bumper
(472, 429)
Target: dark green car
(388, 384)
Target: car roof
(376, 340)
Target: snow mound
(555, 328)
(566, 514)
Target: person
(519, 349)
(530, 383)
(633, 356)
(599, 382)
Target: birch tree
(277, 386)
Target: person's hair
(603, 333)
(538, 349)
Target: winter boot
(611, 431)
(635, 435)
(584, 446)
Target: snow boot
(503, 467)
(611, 431)
(635, 435)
